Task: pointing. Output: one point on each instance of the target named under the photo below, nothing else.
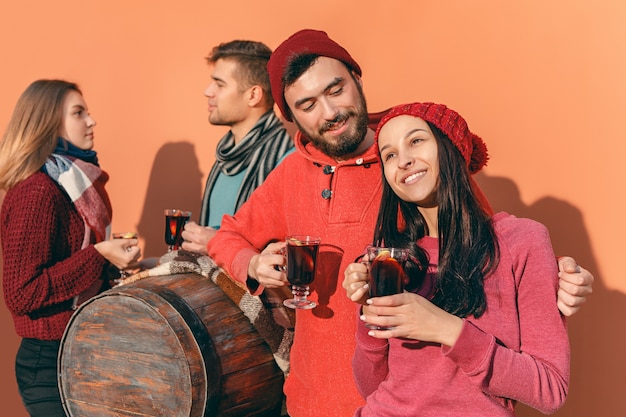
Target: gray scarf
(258, 152)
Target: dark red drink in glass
(301, 263)
(301, 257)
(387, 272)
(174, 222)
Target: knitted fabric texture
(471, 146)
(266, 312)
(304, 42)
(44, 266)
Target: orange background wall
(541, 81)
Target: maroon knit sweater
(44, 266)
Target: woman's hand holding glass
(407, 315)
(412, 316)
(356, 280)
(357, 285)
(122, 253)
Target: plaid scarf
(84, 184)
(258, 153)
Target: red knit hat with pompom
(451, 123)
(306, 41)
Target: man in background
(239, 96)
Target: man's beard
(349, 141)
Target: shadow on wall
(175, 182)
(597, 340)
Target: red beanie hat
(306, 41)
(472, 147)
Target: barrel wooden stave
(116, 367)
(125, 350)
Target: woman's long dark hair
(468, 249)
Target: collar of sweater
(310, 152)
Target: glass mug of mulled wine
(301, 256)
(386, 268)
(174, 223)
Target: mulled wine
(386, 271)
(174, 223)
(301, 257)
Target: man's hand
(575, 284)
(268, 267)
(196, 237)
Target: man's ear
(255, 95)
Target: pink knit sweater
(43, 264)
(517, 351)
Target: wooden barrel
(166, 346)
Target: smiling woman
(469, 308)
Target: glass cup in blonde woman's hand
(123, 273)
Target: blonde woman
(55, 224)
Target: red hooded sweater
(310, 193)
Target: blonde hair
(32, 132)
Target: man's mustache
(339, 118)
